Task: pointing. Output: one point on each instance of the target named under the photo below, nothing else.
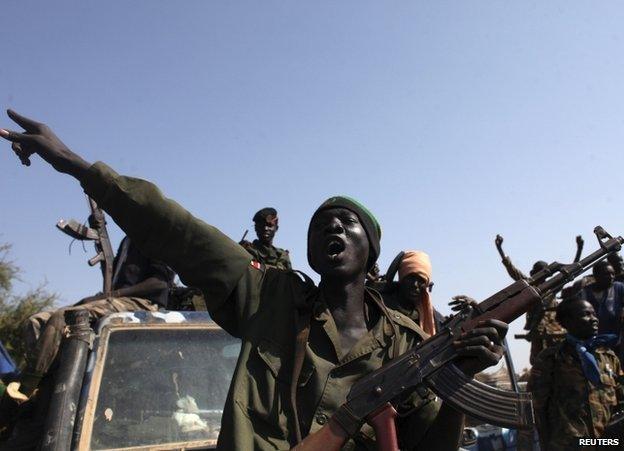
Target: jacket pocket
(280, 363)
(265, 395)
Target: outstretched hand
(461, 301)
(481, 347)
(38, 138)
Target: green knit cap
(367, 219)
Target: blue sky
(452, 121)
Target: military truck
(139, 381)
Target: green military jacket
(269, 255)
(391, 299)
(567, 405)
(258, 304)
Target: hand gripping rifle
(430, 363)
(97, 233)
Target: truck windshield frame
(193, 419)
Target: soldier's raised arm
(513, 272)
(163, 230)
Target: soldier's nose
(334, 226)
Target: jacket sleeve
(513, 272)
(202, 256)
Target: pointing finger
(12, 136)
(27, 124)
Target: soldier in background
(262, 249)
(607, 297)
(139, 283)
(618, 266)
(577, 384)
(543, 329)
(411, 296)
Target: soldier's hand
(498, 240)
(462, 301)
(481, 347)
(38, 138)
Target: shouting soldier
(289, 381)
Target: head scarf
(417, 262)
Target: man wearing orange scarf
(413, 292)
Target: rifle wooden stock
(331, 437)
(382, 421)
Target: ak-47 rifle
(97, 233)
(430, 363)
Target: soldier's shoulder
(297, 281)
(548, 355)
(406, 323)
(249, 247)
(281, 251)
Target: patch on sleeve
(256, 264)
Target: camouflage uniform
(544, 330)
(567, 405)
(269, 255)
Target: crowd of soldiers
(321, 339)
(576, 379)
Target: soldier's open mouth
(335, 246)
